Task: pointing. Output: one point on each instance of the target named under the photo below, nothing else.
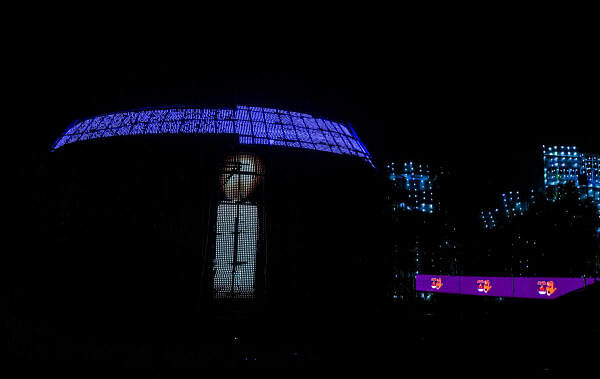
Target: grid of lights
(235, 255)
(488, 218)
(237, 231)
(253, 126)
(511, 203)
(416, 179)
(564, 164)
(561, 165)
(591, 170)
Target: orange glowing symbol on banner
(484, 286)
(546, 287)
(436, 283)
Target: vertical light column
(237, 231)
(236, 247)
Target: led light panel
(252, 125)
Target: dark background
(478, 89)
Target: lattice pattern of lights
(591, 170)
(563, 164)
(236, 246)
(237, 231)
(488, 218)
(253, 125)
(512, 204)
(416, 181)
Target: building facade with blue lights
(566, 164)
(423, 236)
(414, 184)
(489, 218)
(563, 164)
(510, 204)
(538, 241)
(513, 203)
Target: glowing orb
(242, 173)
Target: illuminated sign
(546, 287)
(524, 287)
(484, 285)
(436, 283)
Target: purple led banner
(486, 286)
(545, 287)
(527, 288)
(438, 283)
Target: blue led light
(416, 181)
(252, 125)
(575, 167)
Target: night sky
(478, 90)
(481, 96)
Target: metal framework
(253, 126)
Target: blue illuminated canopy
(252, 125)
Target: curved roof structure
(252, 125)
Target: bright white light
(234, 273)
(237, 228)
